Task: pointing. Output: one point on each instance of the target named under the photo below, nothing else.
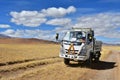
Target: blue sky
(43, 18)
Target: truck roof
(82, 29)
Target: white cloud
(59, 21)
(36, 18)
(104, 24)
(18, 33)
(8, 32)
(58, 12)
(4, 26)
(13, 33)
(40, 34)
(28, 18)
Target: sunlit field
(106, 50)
(21, 52)
(18, 52)
(15, 57)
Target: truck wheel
(90, 61)
(66, 61)
(98, 57)
(96, 60)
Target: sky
(42, 19)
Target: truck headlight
(61, 50)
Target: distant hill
(24, 41)
(4, 36)
(111, 44)
(7, 39)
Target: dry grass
(30, 64)
(59, 71)
(106, 50)
(38, 54)
(56, 71)
(49, 53)
(22, 52)
(19, 52)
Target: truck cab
(79, 44)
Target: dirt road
(106, 69)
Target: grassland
(59, 71)
(21, 52)
(22, 56)
(108, 50)
(18, 53)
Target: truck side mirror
(92, 33)
(57, 36)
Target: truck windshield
(74, 36)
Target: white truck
(79, 44)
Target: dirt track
(106, 69)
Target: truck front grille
(76, 51)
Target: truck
(79, 44)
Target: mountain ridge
(4, 36)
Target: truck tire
(66, 61)
(96, 60)
(90, 61)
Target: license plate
(71, 56)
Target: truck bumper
(73, 57)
